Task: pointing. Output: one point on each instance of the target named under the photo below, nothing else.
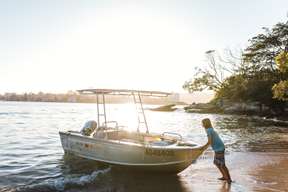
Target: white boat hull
(130, 155)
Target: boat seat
(114, 135)
(99, 133)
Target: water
(32, 159)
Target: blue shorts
(219, 159)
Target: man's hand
(204, 147)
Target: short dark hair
(206, 123)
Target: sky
(57, 45)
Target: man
(218, 147)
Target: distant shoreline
(73, 97)
(75, 102)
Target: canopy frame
(124, 92)
(137, 98)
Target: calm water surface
(32, 159)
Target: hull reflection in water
(110, 178)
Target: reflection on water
(254, 133)
(119, 180)
(31, 156)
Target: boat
(107, 142)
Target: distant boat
(106, 141)
(165, 108)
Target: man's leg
(221, 170)
(226, 174)
(219, 161)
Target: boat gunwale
(119, 142)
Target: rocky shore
(239, 109)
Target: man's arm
(204, 147)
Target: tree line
(259, 73)
(75, 97)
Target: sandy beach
(250, 171)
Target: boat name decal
(80, 146)
(159, 152)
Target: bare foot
(229, 181)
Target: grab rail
(106, 123)
(171, 133)
(116, 128)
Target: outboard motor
(88, 128)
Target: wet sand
(250, 171)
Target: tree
(282, 61)
(260, 74)
(214, 74)
(234, 89)
(263, 48)
(280, 90)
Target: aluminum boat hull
(146, 157)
